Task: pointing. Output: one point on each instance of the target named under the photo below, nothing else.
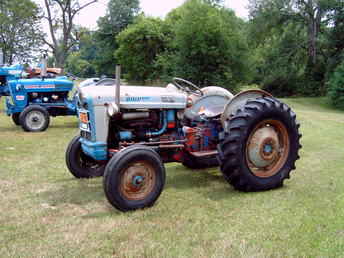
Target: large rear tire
(261, 145)
(134, 178)
(81, 165)
(34, 119)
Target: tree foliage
(313, 23)
(198, 41)
(139, 46)
(209, 46)
(76, 65)
(120, 13)
(336, 87)
(19, 29)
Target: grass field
(45, 212)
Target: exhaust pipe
(44, 66)
(118, 85)
(2, 61)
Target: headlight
(112, 109)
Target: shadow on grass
(11, 129)
(65, 125)
(191, 178)
(210, 181)
(79, 192)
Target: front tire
(34, 119)
(81, 165)
(261, 145)
(134, 178)
(15, 118)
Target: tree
(199, 41)
(281, 63)
(335, 36)
(19, 29)
(60, 15)
(81, 62)
(120, 13)
(313, 20)
(139, 46)
(78, 66)
(209, 46)
(336, 87)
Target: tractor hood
(38, 85)
(135, 97)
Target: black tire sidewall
(72, 161)
(15, 118)
(113, 175)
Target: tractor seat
(210, 105)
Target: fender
(238, 101)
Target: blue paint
(96, 150)
(206, 141)
(164, 125)
(125, 135)
(137, 181)
(170, 116)
(267, 148)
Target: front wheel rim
(267, 148)
(35, 120)
(137, 181)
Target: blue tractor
(31, 102)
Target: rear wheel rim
(35, 120)
(137, 181)
(267, 148)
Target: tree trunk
(314, 23)
(312, 42)
(60, 58)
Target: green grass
(45, 212)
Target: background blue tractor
(31, 102)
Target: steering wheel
(187, 86)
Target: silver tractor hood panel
(137, 97)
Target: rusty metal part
(126, 144)
(239, 101)
(171, 146)
(267, 148)
(137, 180)
(202, 154)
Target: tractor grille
(86, 135)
